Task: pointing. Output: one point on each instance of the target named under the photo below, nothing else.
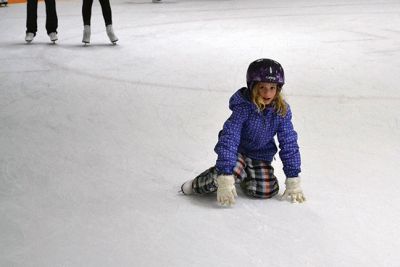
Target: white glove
(226, 191)
(293, 191)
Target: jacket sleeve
(229, 140)
(289, 149)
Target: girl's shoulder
(240, 104)
(241, 98)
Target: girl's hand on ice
(226, 191)
(293, 191)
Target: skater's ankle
(86, 34)
(29, 36)
(53, 36)
(111, 34)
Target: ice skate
(53, 37)
(111, 35)
(86, 34)
(29, 37)
(187, 187)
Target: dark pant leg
(106, 9)
(51, 16)
(31, 16)
(205, 182)
(87, 11)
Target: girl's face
(267, 91)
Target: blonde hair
(278, 103)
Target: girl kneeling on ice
(246, 145)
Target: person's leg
(87, 11)
(260, 181)
(86, 16)
(31, 16)
(51, 16)
(106, 9)
(206, 181)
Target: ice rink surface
(95, 141)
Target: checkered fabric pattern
(256, 178)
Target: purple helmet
(265, 70)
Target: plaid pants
(256, 178)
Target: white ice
(95, 141)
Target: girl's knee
(260, 190)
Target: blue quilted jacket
(251, 133)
